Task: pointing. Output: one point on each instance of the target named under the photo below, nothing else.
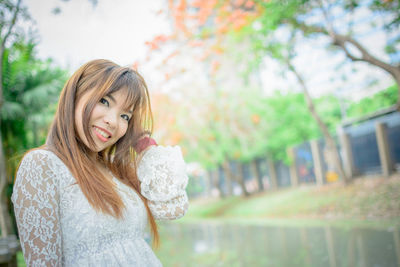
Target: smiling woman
(108, 122)
(84, 197)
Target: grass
(370, 202)
(20, 259)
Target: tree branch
(12, 24)
(326, 17)
(341, 40)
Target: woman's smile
(101, 133)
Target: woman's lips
(101, 133)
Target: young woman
(85, 197)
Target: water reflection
(238, 245)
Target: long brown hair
(101, 78)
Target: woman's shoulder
(41, 157)
(40, 171)
(42, 165)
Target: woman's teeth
(104, 134)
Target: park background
(286, 112)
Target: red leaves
(204, 56)
(249, 4)
(135, 65)
(238, 19)
(176, 137)
(179, 14)
(190, 17)
(157, 41)
(215, 65)
(217, 48)
(195, 43)
(255, 118)
(205, 10)
(238, 3)
(233, 17)
(173, 54)
(201, 26)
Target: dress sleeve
(36, 204)
(162, 172)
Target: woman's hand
(143, 145)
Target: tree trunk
(228, 177)
(241, 179)
(256, 171)
(5, 219)
(208, 182)
(334, 158)
(217, 184)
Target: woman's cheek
(123, 130)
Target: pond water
(215, 244)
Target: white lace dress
(58, 227)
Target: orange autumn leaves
(225, 15)
(199, 32)
(165, 120)
(234, 16)
(191, 16)
(202, 25)
(157, 41)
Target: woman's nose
(111, 119)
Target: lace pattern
(58, 227)
(163, 181)
(36, 202)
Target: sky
(118, 29)
(113, 29)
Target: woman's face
(108, 121)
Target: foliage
(345, 24)
(31, 88)
(284, 121)
(244, 124)
(249, 124)
(382, 99)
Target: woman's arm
(162, 172)
(36, 204)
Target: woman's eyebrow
(111, 97)
(130, 111)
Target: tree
(10, 13)
(258, 21)
(284, 53)
(335, 20)
(31, 89)
(383, 99)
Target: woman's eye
(104, 102)
(125, 117)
